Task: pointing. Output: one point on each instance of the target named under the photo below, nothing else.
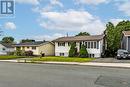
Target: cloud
(116, 21)
(124, 6)
(48, 37)
(33, 2)
(91, 2)
(72, 20)
(56, 2)
(9, 25)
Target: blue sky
(49, 19)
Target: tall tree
(73, 50)
(27, 40)
(83, 52)
(7, 40)
(114, 35)
(83, 34)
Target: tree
(83, 52)
(73, 50)
(27, 40)
(83, 34)
(7, 40)
(114, 35)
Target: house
(125, 43)
(37, 47)
(5, 48)
(94, 45)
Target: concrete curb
(111, 65)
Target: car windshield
(122, 51)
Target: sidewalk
(115, 65)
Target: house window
(69, 43)
(95, 45)
(33, 48)
(91, 44)
(27, 47)
(61, 44)
(62, 54)
(3, 49)
(91, 55)
(88, 44)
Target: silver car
(122, 54)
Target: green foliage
(19, 52)
(6, 57)
(73, 50)
(7, 40)
(83, 34)
(63, 59)
(27, 40)
(114, 35)
(83, 52)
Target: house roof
(7, 45)
(79, 38)
(126, 33)
(37, 43)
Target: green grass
(10, 57)
(62, 59)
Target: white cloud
(72, 20)
(9, 25)
(91, 2)
(48, 37)
(124, 6)
(116, 21)
(56, 2)
(33, 2)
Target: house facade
(37, 47)
(5, 48)
(94, 45)
(125, 43)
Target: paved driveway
(45, 75)
(111, 60)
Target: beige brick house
(37, 47)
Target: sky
(50, 19)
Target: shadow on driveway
(111, 60)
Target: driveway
(111, 60)
(46, 75)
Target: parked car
(122, 54)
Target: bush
(73, 50)
(18, 52)
(83, 52)
(10, 53)
(28, 53)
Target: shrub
(28, 53)
(18, 52)
(83, 52)
(73, 50)
(10, 53)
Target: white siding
(65, 49)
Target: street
(50, 75)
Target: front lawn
(62, 59)
(5, 57)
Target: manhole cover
(109, 81)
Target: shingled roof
(126, 33)
(79, 38)
(37, 43)
(7, 45)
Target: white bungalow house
(95, 45)
(5, 48)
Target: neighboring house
(125, 44)
(94, 45)
(37, 47)
(5, 48)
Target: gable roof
(37, 43)
(126, 33)
(79, 38)
(7, 45)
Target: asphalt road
(45, 75)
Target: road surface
(50, 75)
